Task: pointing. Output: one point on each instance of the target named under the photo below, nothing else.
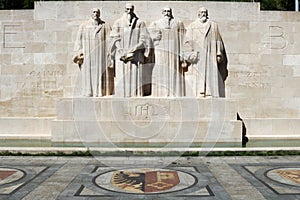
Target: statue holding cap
(206, 55)
(168, 73)
(131, 52)
(91, 56)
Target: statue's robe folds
(168, 74)
(97, 77)
(133, 78)
(206, 77)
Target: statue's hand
(127, 57)
(184, 64)
(193, 57)
(111, 64)
(137, 47)
(219, 59)
(158, 35)
(78, 59)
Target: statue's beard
(203, 19)
(94, 17)
(129, 16)
(167, 20)
(95, 20)
(167, 17)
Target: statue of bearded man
(168, 74)
(205, 51)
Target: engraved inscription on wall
(251, 79)
(12, 36)
(277, 37)
(146, 111)
(41, 82)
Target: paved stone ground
(149, 178)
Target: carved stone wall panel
(263, 50)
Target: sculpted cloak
(132, 51)
(91, 42)
(207, 74)
(168, 74)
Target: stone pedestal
(146, 120)
(25, 128)
(273, 129)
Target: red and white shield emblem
(156, 181)
(145, 181)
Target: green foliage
(28, 4)
(11, 4)
(284, 5)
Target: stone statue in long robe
(168, 74)
(91, 55)
(130, 50)
(205, 51)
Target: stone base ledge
(24, 137)
(272, 137)
(272, 128)
(146, 120)
(25, 128)
(187, 132)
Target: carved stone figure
(206, 53)
(131, 51)
(91, 56)
(168, 74)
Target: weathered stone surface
(137, 120)
(25, 128)
(263, 50)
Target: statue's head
(129, 8)
(95, 13)
(203, 14)
(167, 11)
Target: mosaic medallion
(16, 181)
(273, 180)
(290, 176)
(9, 175)
(145, 181)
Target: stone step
(135, 131)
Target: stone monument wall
(263, 48)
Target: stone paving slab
(66, 178)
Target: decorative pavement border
(94, 182)
(23, 178)
(275, 181)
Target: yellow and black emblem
(292, 175)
